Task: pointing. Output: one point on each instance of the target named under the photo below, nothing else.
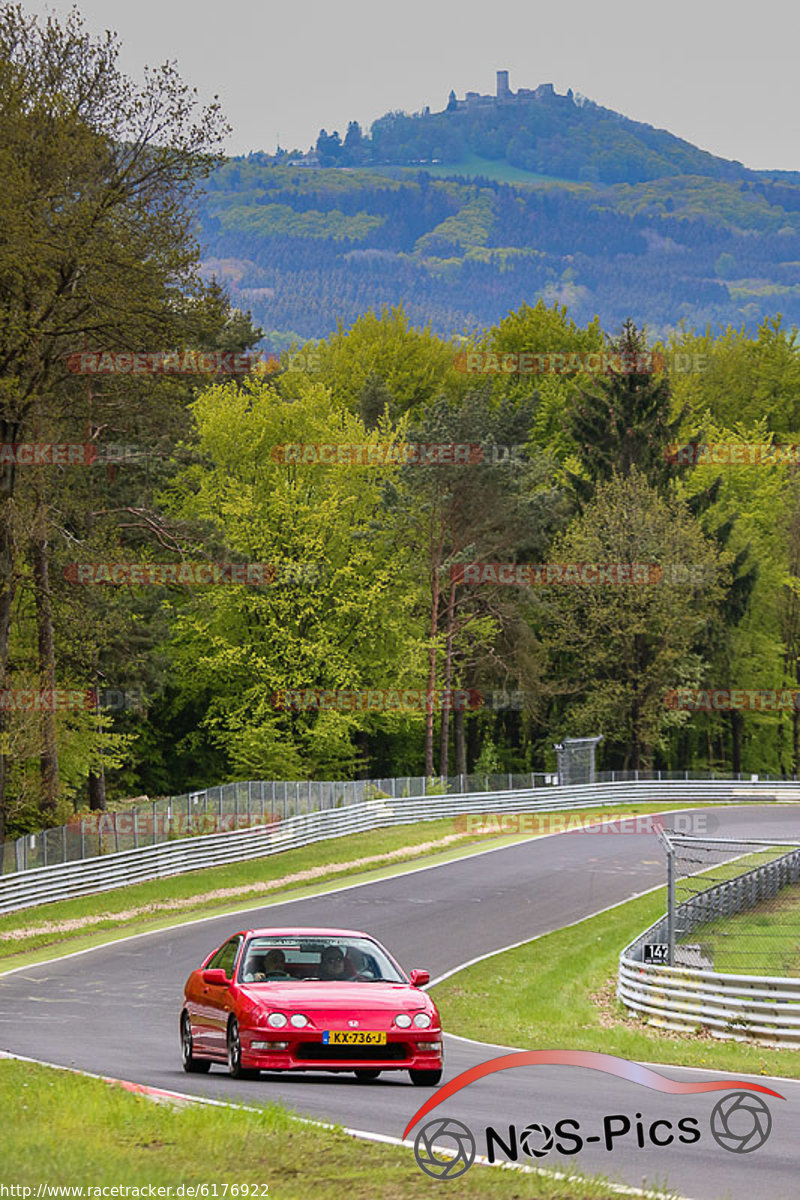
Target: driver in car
(335, 964)
(264, 966)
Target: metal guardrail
(761, 1008)
(104, 872)
(226, 807)
(241, 805)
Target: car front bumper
(304, 1050)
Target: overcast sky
(724, 79)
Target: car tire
(235, 1068)
(426, 1078)
(194, 1066)
(365, 1075)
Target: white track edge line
(158, 1094)
(313, 896)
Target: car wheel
(364, 1076)
(426, 1078)
(195, 1066)
(235, 1068)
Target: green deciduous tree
(340, 613)
(617, 650)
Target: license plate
(347, 1037)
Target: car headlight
(403, 1020)
(422, 1020)
(298, 1020)
(276, 1020)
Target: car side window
(225, 957)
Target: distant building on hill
(503, 95)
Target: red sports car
(309, 1000)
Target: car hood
(343, 996)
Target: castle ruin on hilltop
(504, 95)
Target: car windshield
(309, 958)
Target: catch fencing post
(669, 850)
(671, 905)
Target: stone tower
(503, 91)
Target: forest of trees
(357, 576)
(306, 248)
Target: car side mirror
(419, 978)
(216, 978)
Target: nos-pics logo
(445, 1148)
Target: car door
(213, 1002)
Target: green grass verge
(559, 991)
(63, 1129)
(763, 941)
(58, 927)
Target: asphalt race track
(114, 1010)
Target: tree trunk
(460, 742)
(48, 758)
(8, 431)
(444, 750)
(97, 790)
(435, 559)
(473, 749)
(737, 722)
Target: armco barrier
(224, 807)
(63, 880)
(760, 1008)
(246, 803)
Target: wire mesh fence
(227, 807)
(734, 905)
(241, 805)
(576, 760)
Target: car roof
(303, 930)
